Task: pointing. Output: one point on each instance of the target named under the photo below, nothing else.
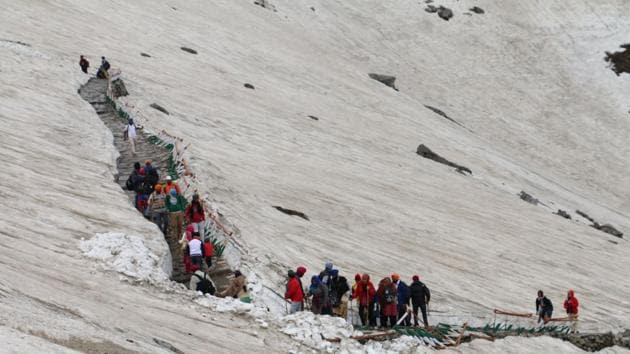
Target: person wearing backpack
(320, 303)
(157, 207)
(402, 299)
(200, 281)
(387, 295)
(420, 297)
(338, 289)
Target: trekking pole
(286, 308)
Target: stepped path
(94, 91)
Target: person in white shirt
(195, 250)
(131, 134)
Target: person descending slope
(131, 134)
(294, 293)
(365, 294)
(84, 64)
(544, 308)
(571, 305)
(320, 304)
(324, 275)
(420, 297)
(387, 297)
(402, 291)
(135, 183)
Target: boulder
(477, 10)
(249, 86)
(609, 229)
(431, 9)
(445, 13)
(386, 80)
(118, 88)
(159, 108)
(427, 153)
(528, 198)
(145, 55)
(441, 113)
(291, 212)
(189, 50)
(563, 213)
(619, 61)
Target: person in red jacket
(365, 293)
(294, 293)
(571, 305)
(208, 252)
(196, 215)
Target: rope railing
(178, 165)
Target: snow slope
(540, 110)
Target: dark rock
(441, 113)
(619, 61)
(528, 198)
(174, 8)
(428, 1)
(118, 88)
(191, 51)
(445, 13)
(563, 213)
(130, 340)
(386, 80)
(313, 117)
(15, 42)
(265, 5)
(312, 9)
(145, 55)
(159, 108)
(609, 229)
(249, 86)
(291, 212)
(584, 215)
(168, 346)
(431, 9)
(477, 10)
(427, 153)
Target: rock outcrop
(563, 213)
(386, 80)
(159, 108)
(528, 198)
(607, 228)
(291, 212)
(427, 153)
(119, 89)
(189, 50)
(619, 61)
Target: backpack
(388, 295)
(129, 183)
(204, 285)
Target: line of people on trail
(329, 294)
(163, 203)
(103, 70)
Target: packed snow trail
(95, 92)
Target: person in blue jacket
(403, 294)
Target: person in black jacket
(420, 297)
(338, 288)
(84, 64)
(544, 308)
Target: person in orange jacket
(294, 293)
(365, 292)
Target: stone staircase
(94, 92)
